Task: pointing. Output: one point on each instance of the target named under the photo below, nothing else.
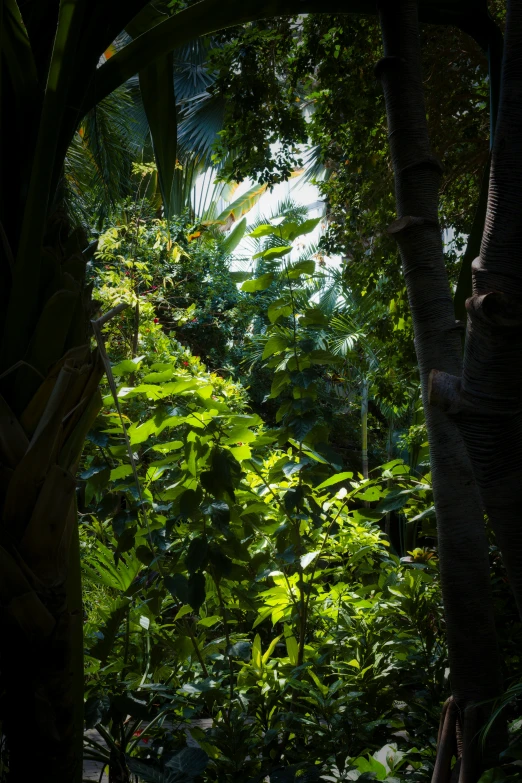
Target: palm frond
(98, 163)
(201, 121)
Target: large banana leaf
(243, 204)
(17, 51)
(159, 101)
(23, 304)
(157, 90)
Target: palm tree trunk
(47, 405)
(486, 398)
(475, 669)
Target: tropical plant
(51, 79)
(229, 601)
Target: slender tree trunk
(486, 399)
(47, 405)
(473, 655)
(364, 427)
(389, 452)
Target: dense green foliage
(239, 588)
(257, 535)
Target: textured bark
(473, 655)
(491, 410)
(44, 417)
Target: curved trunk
(486, 400)
(48, 402)
(475, 669)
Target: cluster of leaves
(325, 69)
(238, 587)
(261, 104)
(175, 274)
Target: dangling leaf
(259, 284)
(242, 205)
(159, 101)
(291, 231)
(235, 237)
(273, 252)
(263, 230)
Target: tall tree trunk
(364, 427)
(486, 400)
(474, 662)
(48, 402)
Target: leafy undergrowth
(240, 593)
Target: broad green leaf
(314, 316)
(93, 471)
(177, 387)
(496, 775)
(309, 452)
(184, 609)
(208, 622)
(336, 479)
(371, 765)
(278, 309)
(177, 585)
(206, 391)
(241, 453)
(127, 366)
(301, 268)
(322, 688)
(243, 204)
(274, 344)
(279, 381)
(291, 231)
(256, 652)
(141, 432)
(197, 554)
(189, 502)
(166, 448)
(394, 500)
(308, 558)
(155, 472)
(96, 710)
(271, 648)
(370, 494)
(259, 284)
(263, 615)
(159, 377)
(292, 647)
(159, 102)
(240, 434)
(235, 237)
(262, 231)
(196, 584)
(120, 472)
(273, 252)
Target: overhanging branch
(209, 16)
